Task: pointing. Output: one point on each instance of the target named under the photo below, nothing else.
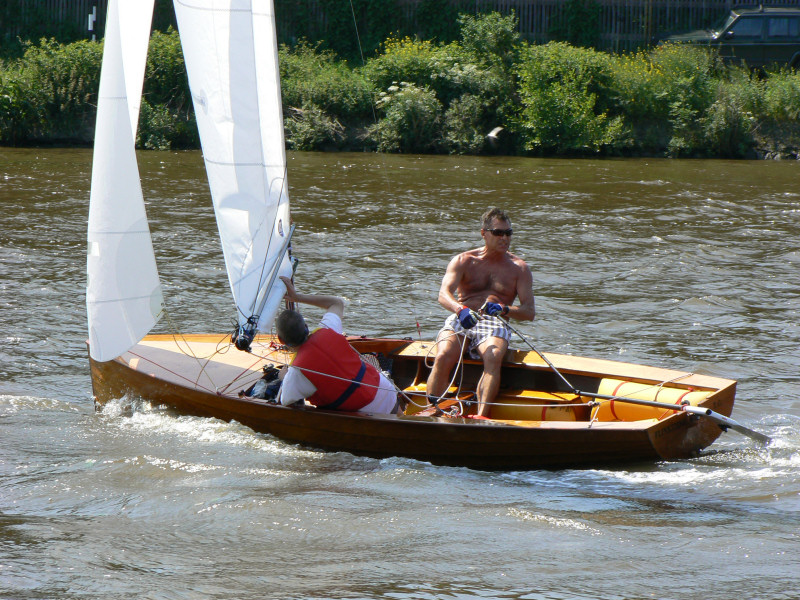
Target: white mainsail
(123, 293)
(231, 54)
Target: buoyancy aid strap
(350, 389)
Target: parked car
(755, 36)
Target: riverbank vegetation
(487, 92)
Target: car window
(746, 27)
(783, 27)
(722, 24)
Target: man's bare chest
(498, 277)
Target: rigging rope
(355, 26)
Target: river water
(686, 264)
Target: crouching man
(327, 371)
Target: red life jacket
(353, 384)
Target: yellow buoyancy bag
(533, 406)
(619, 410)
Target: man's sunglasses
(500, 232)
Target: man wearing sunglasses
(488, 278)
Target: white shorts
(487, 327)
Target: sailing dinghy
(552, 410)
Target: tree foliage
(438, 96)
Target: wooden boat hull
(168, 373)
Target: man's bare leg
(492, 350)
(448, 350)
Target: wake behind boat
(552, 411)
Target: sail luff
(123, 293)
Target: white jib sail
(231, 54)
(123, 292)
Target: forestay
(123, 294)
(231, 55)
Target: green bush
(551, 99)
(472, 79)
(686, 84)
(166, 119)
(446, 70)
(686, 137)
(21, 117)
(664, 93)
(685, 74)
(155, 127)
(50, 95)
(480, 64)
(563, 91)
(403, 59)
(728, 126)
(309, 128)
(165, 80)
(744, 86)
(636, 87)
(411, 120)
(164, 128)
(491, 39)
(492, 44)
(648, 84)
(51, 90)
(463, 129)
(310, 76)
(782, 96)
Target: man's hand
(333, 304)
(291, 292)
(493, 309)
(468, 317)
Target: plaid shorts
(487, 327)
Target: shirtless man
(489, 276)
